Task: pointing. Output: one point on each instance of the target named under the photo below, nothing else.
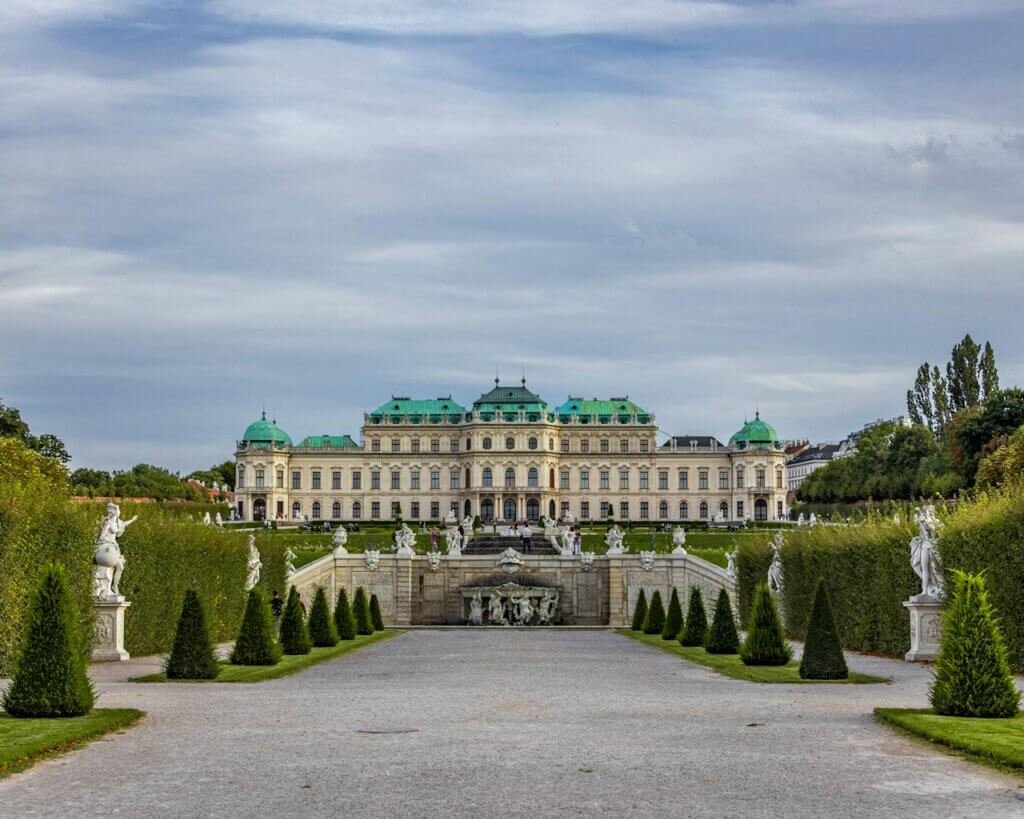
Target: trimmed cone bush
(375, 617)
(256, 644)
(294, 634)
(696, 629)
(321, 627)
(361, 611)
(640, 612)
(823, 653)
(723, 639)
(972, 672)
(674, 618)
(49, 680)
(765, 643)
(192, 656)
(654, 623)
(343, 620)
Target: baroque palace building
(510, 457)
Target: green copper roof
(596, 409)
(755, 432)
(509, 399)
(329, 441)
(265, 432)
(400, 406)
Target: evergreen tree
(940, 404)
(962, 375)
(823, 652)
(294, 634)
(654, 623)
(696, 628)
(972, 672)
(723, 639)
(50, 680)
(343, 620)
(321, 626)
(640, 612)
(375, 615)
(192, 656)
(361, 611)
(988, 372)
(256, 644)
(919, 399)
(765, 643)
(674, 618)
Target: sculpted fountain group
(512, 605)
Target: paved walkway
(498, 723)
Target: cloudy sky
(208, 207)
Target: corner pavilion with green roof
(511, 456)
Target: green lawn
(288, 664)
(1000, 741)
(732, 666)
(23, 742)
(304, 556)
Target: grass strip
(999, 741)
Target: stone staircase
(496, 544)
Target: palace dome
(755, 433)
(265, 432)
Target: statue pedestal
(108, 631)
(925, 628)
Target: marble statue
(340, 538)
(567, 542)
(647, 561)
(254, 565)
(434, 560)
(679, 540)
(496, 610)
(206, 519)
(405, 540)
(372, 559)
(108, 563)
(510, 561)
(896, 519)
(523, 610)
(613, 539)
(450, 519)
(812, 520)
(775, 569)
(467, 524)
(569, 518)
(731, 557)
(800, 521)
(453, 542)
(219, 520)
(924, 555)
(476, 608)
(587, 561)
(289, 563)
(546, 607)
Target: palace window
(584, 479)
(604, 445)
(564, 510)
(279, 479)
(643, 510)
(435, 509)
(454, 444)
(739, 477)
(532, 478)
(623, 444)
(415, 443)
(453, 479)
(606, 509)
(760, 478)
(375, 510)
(241, 477)
(644, 443)
(357, 479)
(453, 507)
(702, 479)
(415, 511)
(435, 444)
(644, 479)
(469, 444)
(723, 511)
(316, 478)
(663, 480)
(739, 510)
(723, 479)
(296, 479)
(396, 480)
(396, 444)
(487, 443)
(565, 445)
(335, 510)
(585, 509)
(336, 479)
(563, 479)
(488, 478)
(551, 444)
(316, 509)
(778, 510)
(624, 479)
(533, 443)
(375, 480)
(296, 509)
(703, 510)
(357, 510)
(778, 478)
(510, 478)
(624, 510)
(510, 443)
(584, 445)
(684, 510)
(605, 479)
(396, 509)
(375, 444)
(259, 478)
(684, 478)
(663, 510)
(435, 479)
(414, 479)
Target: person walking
(434, 537)
(528, 537)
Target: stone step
(496, 544)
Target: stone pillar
(618, 616)
(925, 627)
(108, 631)
(403, 591)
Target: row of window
(511, 512)
(487, 442)
(487, 479)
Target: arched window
(510, 443)
(551, 443)
(723, 511)
(510, 477)
(551, 480)
(279, 480)
(532, 478)
(357, 510)
(487, 443)
(739, 477)
(241, 476)
(488, 477)
(296, 509)
(533, 443)
(778, 477)
(316, 509)
(468, 483)
(704, 510)
(551, 509)
(487, 509)
(760, 509)
(684, 510)
(469, 444)
(663, 509)
(336, 511)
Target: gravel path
(498, 723)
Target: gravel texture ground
(515, 722)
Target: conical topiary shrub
(192, 656)
(823, 652)
(294, 634)
(654, 623)
(639, 612)
(972, 673)
(375, 616)
(723, 639)
(321, 627)
(765, 643)
(343, 620)
(50, 680)
(256, 644)
(674, 618)
(361, 611)
(696, 629)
